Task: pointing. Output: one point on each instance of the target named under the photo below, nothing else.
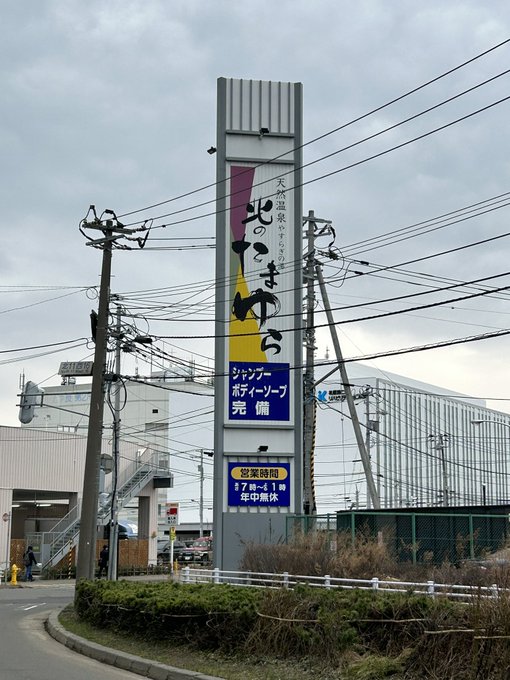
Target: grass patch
(184, 656)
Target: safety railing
(463, 593)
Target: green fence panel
(433, 537)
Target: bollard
(14, 575)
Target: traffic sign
(172, 514)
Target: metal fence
(415, 537)
(462, 593)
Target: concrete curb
(114, 657)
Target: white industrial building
(42, 481)
(427, 446)
(42, 463)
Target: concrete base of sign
(242, 528)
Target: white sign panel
(172, 514)
(70, 368)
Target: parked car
(164, 551)
(126, 530)
(199, 552)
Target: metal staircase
(65, 534)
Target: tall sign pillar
(259, 278)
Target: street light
(201, 471)
(479, 421)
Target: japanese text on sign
(258, 391)
(259, 484)
(262, 304)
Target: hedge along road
(27, 652)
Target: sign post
(172, 517)
(6, 517)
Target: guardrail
(459, 592)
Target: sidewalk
(54, 583)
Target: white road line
(33, 606)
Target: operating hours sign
(259, 484)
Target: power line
(337, 129)
(325, 175)
(360, 246)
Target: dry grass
(317, 554)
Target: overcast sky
(114, 104)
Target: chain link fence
(416, 537)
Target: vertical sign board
(172, 514)
(258, 397)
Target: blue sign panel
(258, 391)
(259, 484)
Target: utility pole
(365, 460)
(440, 442)
(113, 541)
(368, 433)
(201, 497)
(309, 406)
(112, 230)
(86, 564)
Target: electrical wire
(337, 129)
(326, 175)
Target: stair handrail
(146, 462)
(66, 521)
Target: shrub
(303, 622)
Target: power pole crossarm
(365, 460)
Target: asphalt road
(27, 652)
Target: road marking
(33, 606)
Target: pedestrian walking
(103, 561)
(29, 560)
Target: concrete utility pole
(309, 406)
(439, 442)
(201, 497)
(86, 564)
(113, 541)
(111, 231)
(365, 460)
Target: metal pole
(446, 500)
(367, 435)
(372, 491)
(85, 567)
(8, 545)
(201, 499)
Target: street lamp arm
(480, 421)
